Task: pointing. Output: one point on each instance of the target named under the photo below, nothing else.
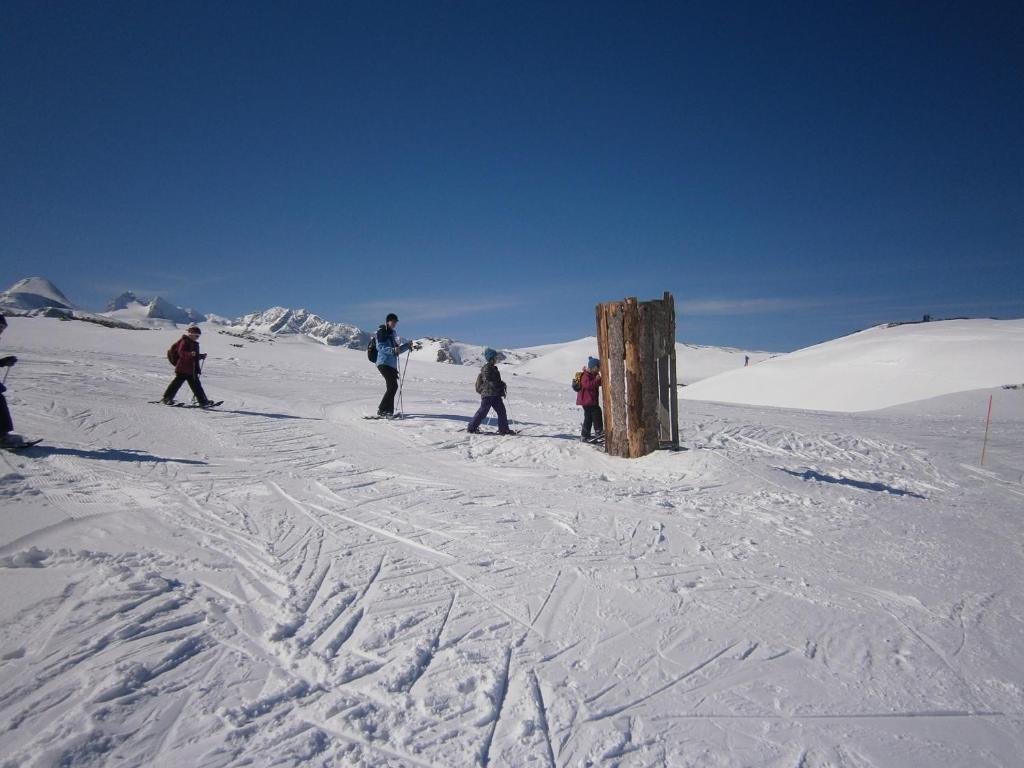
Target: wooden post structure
(637, 347)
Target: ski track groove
(434, 645)
(542, 711)
(485, 751)
(612, 711)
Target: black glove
(2, 389)
(7, 362)
(504, 389)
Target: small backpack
(480, 383)
(371, 349)
(577, 381)
(172, 354)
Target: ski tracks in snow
(367, 593)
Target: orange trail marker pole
(988, 420)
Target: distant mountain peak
(281, 321)
(131, 305)
(124, 301)
(34, 293)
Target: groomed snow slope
(281, 583)
(879, 367)
(558, 362)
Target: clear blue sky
(790, 171)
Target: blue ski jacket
(388, 348)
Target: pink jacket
(589, 384)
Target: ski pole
(6, 372)
(401, 383)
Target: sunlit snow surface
(282, 583)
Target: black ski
(18, 447)
(188, 405)
(209, 406)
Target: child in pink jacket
(587, 396)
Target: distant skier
(388, 352)
(491, 389)
(746, 360)
(6, 422)
(589, 382)
(186, 357)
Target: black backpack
(371, 349)
(172, 354)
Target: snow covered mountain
(278, 321)
(445, 350)
(879, 367)
(128, 306)
(34, 293)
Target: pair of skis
(208, 406)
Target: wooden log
(670, 306)
(616, 441)
(603, 355)
(649, 375)
(664, 403)
(634, 385)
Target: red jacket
(589, 384)
(188, 357)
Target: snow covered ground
(282, 583)
(880, 367)
(558, 362)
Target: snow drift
(879, 367)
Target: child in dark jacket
(491, 389)
(586, 396)
(6, 423)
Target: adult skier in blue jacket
(388, 350)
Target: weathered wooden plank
(616, 440)
(670, 308)
(663, 343)
(601, 312)
(664, 402)
(634, 385)
(648, 311)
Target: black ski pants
(6, 423)
(592, 417)
(387, 403)
(193, 382)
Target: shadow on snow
(105, 454)
(810, 474)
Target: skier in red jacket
(187, 368)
